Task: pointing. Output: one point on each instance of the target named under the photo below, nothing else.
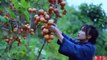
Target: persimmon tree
(19, 20)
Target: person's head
(88, 33)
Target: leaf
(14, 1)
(25, 4)
(27, 16)
(1, 8)
(16, 4)
(2, 19)
(11, 13)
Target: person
(82, 48)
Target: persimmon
(43, 33)
(35, 16)
(51, 8)
(11, 38)
(59, 15)
(6, 17)
(42, 27)
(51, 37)
(59, 1)
(21, 30)
(7, 40)
(24, 37)
(52, 1)
(47, 16)
(45, 13)
(48, 41)
(46, 25)
(27, 26)
(62, 3)
(56, 10)
(42, 19)
(41, 12)
(51, 22)
(64, 12)
(30, 10)
(15, 30)
(11, 6)
(33, 9)
(46, 37)
(45, 30)
(31, 30)
(36, 22)
(32, 33)
(50, 12)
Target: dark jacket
(75, 49)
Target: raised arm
(58, 33)
(61, 35)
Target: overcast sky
(76, 3)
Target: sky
(76, 3)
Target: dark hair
(92, 31)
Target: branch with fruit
(46, 17)
(17, 26)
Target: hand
(57, 32)
(53, 28)
(54, 25)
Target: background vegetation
(69, 24)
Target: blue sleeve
(71, 49)
(68, 38)
(68, 48)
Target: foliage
(95, 13)
(69, 24)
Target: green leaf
(25, 4)
(16, 3)
(2, 19)
(11, 13)
(27, 16)
(1, 8)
